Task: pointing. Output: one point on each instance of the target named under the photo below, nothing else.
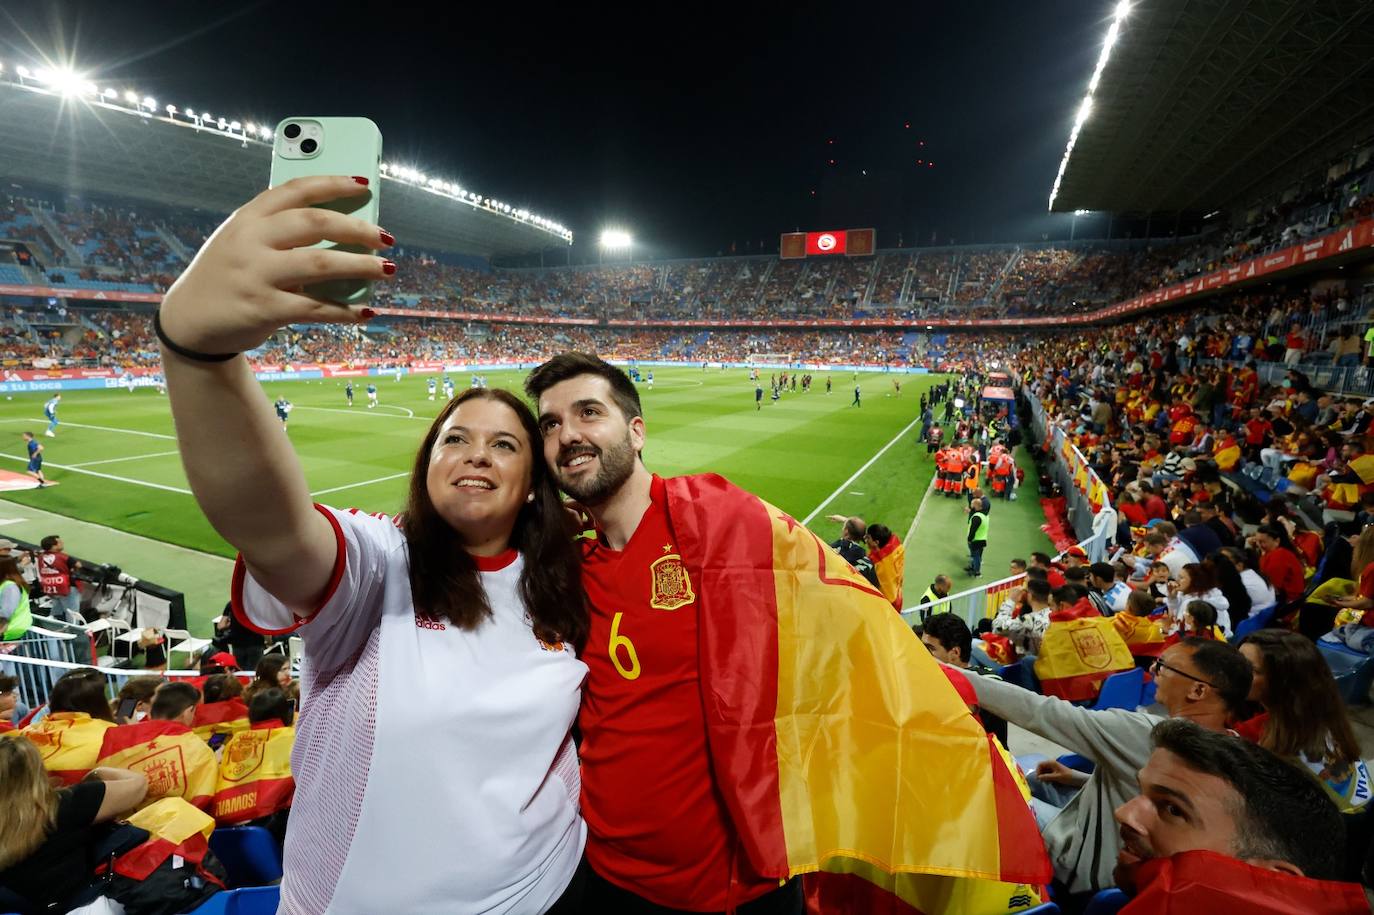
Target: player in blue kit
(35, 458)
(431, 386)
(371, 395)
(348, 392)
(448, 388)
(758, 396)
(50, 411)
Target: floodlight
(615, 239)
(131, 96)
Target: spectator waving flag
(838, 743)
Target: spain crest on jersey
(671, 586)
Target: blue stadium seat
(249, 853)
(249, 900)
(1257, 619)
(1147, 695)
(1106, 902)
(1022, 674)
(1081, 763)
(1122, 690)
(1353, 670)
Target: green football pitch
(122, 497)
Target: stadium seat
(1045, 908)
(1122, 690)
(1257, 619)
(1021, 674)
(1147, 695)
(1354, 671)
(1106, 902)
(249, 853)
(249, 900)
(1081, 763)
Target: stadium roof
(1204, 104)
(83, 143)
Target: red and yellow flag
(1076, 655)
(175, 761)
(174, 828)
(227, 717)
(69, 743)
(1205, 881)
(837, 742)
(255, 774)
(889, 563)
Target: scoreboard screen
(852, 243)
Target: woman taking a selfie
(433, 763)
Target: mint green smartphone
(333, 146)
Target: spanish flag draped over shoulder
(837, 743)
(255, 774)
(227, 717)
(69, 743)
(889, 563)
(175, 761)
(1204, 881)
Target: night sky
(700, 129)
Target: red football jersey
(655, 823)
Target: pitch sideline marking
(871, 461)
(160, 435)
(920, 510)
(410, 413)
(103, 476)
(132, 457)
(321, 492)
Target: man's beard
(615, 464)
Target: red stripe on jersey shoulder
(335, 576)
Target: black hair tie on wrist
(183, 351)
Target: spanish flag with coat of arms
(839, 746)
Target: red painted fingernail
(368, 313)
(361, 180)
(388, 267)
(387, 237)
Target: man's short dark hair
(1041, 558)
(1285, 814)
(1191, 517)
(854, 529)
(951, 632)
(880, 533)
(569, 365)
(7, 683)
(1103, 570)
(1078, 574)
(1035, 573)
(269, 704)
(48, 542)
(1040, 588)
(1069, 594)
(1224, 667)
(1019, 563)
(171, 699)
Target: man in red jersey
(659, 836)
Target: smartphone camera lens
(292, 131)
(309, 146)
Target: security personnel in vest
(938, 590)
(977, 536)
(15, 614)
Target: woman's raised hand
(247, 281)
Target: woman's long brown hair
(1306, 713)
(444, 579)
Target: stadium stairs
(45, 219)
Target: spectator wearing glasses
(1203, 681)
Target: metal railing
(1090, 527)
